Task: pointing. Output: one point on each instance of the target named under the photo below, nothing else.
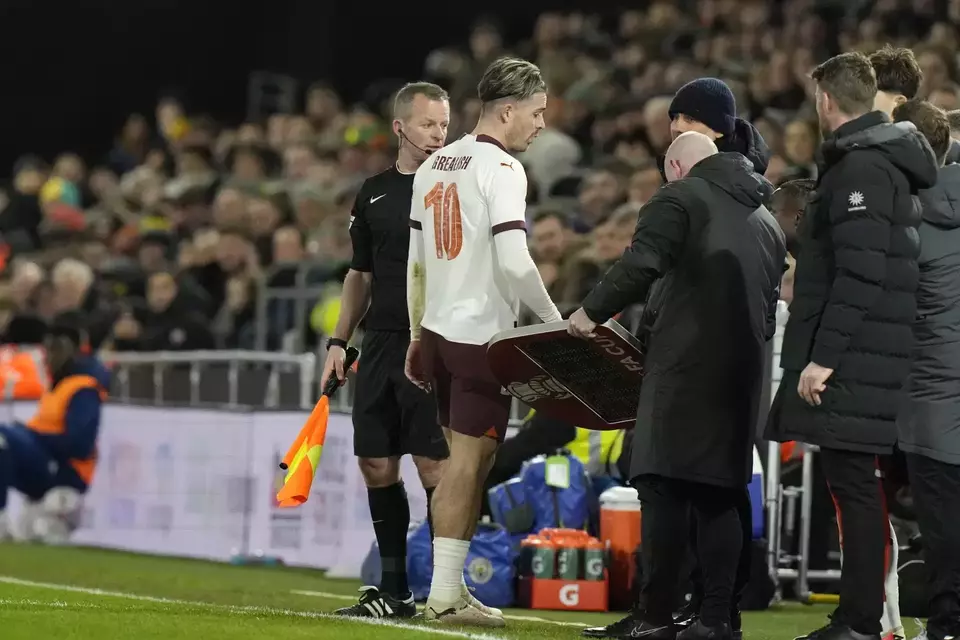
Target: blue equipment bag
(510, 509)
(566, 508)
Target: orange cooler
(620, 516)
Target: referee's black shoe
(376, 604)
(631, 627)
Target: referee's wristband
(336, 342)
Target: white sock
(449, 556)
(891, 587)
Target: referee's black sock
(429, 491)
(391, 519)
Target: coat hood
(900, 143)
(735, 174)
(941, 203)
(747, 141)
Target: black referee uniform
(391, 417)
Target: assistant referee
(391, 417)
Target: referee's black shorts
(391, 416)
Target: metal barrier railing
(302, 294)
(306, 363)
(780, 508)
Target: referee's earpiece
(403, 137)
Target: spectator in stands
(132, 145)
(169, 323)
(953, 155)
(74, 292)
(266, 213)
(928, 421)
(153, 252)
(602, 190)
(23, 322)
(556, 153)
(550, 236)
(644, 182)
(946, 97)
(799, 148)
(233, 327)
(27, 276)
(21, 216)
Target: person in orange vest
(51, 458)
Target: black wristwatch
(336, 342)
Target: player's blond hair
(510, 78)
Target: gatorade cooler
(620, 531)
(565, 571)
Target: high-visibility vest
(23, 374)
(50, 418)
(597, 450)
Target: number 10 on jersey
(447, 223)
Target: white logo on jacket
(856, 201)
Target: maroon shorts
(470, 400)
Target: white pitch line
(340, 596)
(230, 608)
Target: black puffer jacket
(929, 422)
(854, 294)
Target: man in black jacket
(708, 106)
(929, 421)
(847, 346)
(721, 255)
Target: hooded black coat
(854, 292)
(929, 421)
(721, 255)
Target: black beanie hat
(707, 100)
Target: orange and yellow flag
(303, 457)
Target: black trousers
(745, 514)
(668, 506)
(858, 494)
(936, 501)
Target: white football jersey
(463, 195)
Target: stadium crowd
(166, 240)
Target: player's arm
(416, 274)
(355, 297)
(657, 243)
(506, 196)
